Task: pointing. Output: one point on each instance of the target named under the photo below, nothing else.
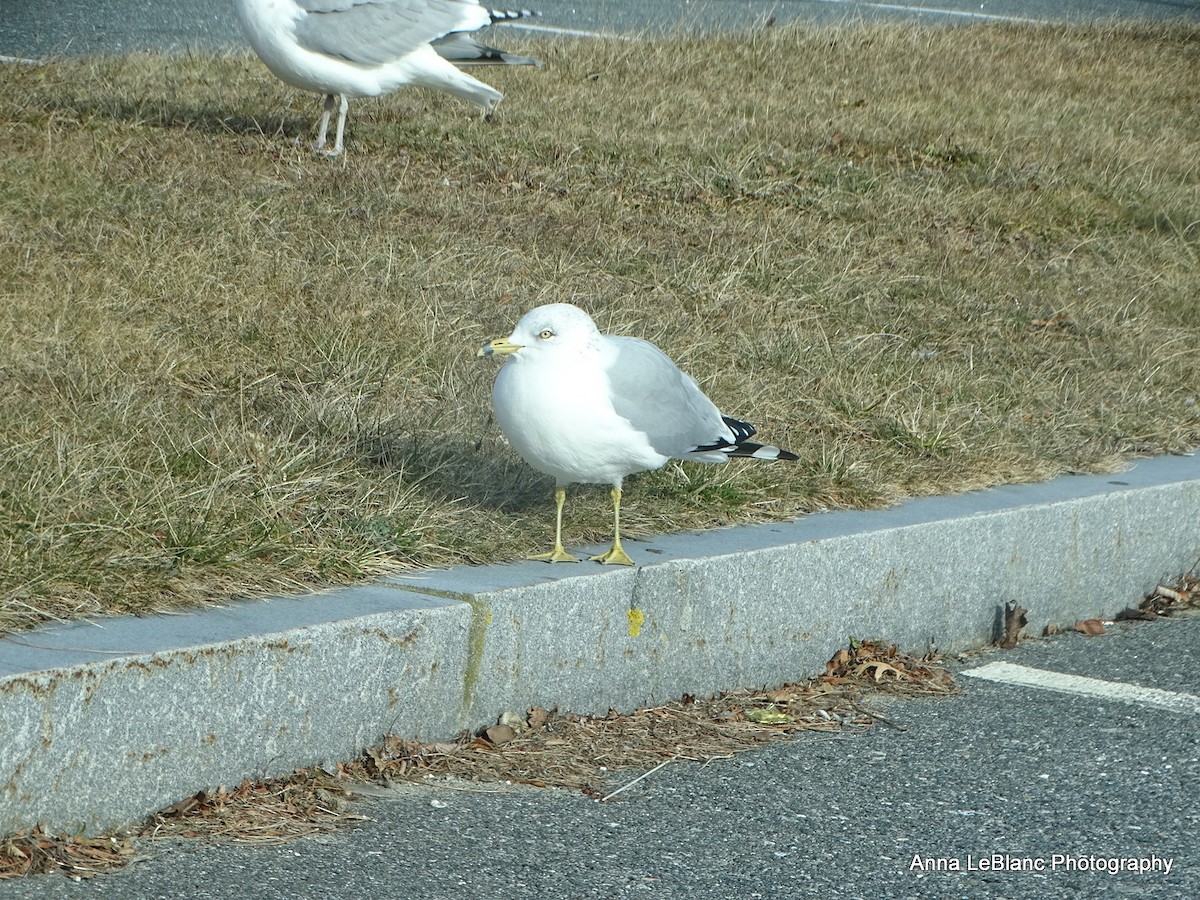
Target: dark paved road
(35, 28)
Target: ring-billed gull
(364, 48)
(586, 407)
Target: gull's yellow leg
(616, 555)
(558, 554)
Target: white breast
(561, 421)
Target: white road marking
(891, 7)
(937, 11)
(569, 32)
(1026, 676)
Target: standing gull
(364, 48)
(591, 408)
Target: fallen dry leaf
(770, 716)
(881, 668)
(839, 660)
(186, 805)
(1014, 620)
(499, 734)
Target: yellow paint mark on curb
(636, 618)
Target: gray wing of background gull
(374, 32)
(660, 400)
(463, 50)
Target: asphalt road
(37, 28)
(1047, 779)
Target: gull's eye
(546, 334)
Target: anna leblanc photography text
(1057, 862)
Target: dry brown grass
(926, 260)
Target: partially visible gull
(586, 407)
(364, 48)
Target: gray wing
(463, 50)
(373, 32)
(660, 400)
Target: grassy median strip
(926, 260)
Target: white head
(554, 327)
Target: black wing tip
(511, 15)
(741, 446)
(486, 55)
(750, 450)
(741, 430)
